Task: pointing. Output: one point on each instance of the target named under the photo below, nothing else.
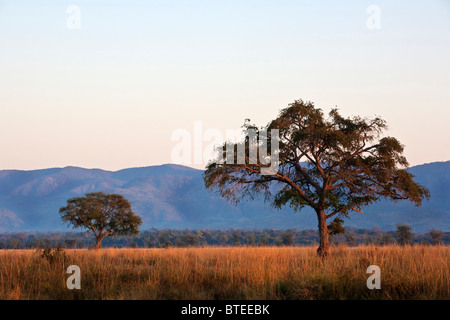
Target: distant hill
(174, 196)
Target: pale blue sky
(110, 94)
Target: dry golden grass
(411, 272)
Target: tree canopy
(103, 214)
(333, 164)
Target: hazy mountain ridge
(174, 196)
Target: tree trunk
(98, 243)
(323, 249)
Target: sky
(111, 84)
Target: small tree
(251, 239)
(164, 240)
(350, 239)
(288, 238)
(436, 236)
(385, 239)
(188, 240)
(103, 214)
(404, 234)
(264, 239)
(336, 227)
(236, 239)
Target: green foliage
(436, 236)
(188, 240)
(386, 239)
(154, 238)
(236, 238)
(336, 227)
(333, 164)
(337, 164)
(404, 234)
(103, 214)
(288, 238)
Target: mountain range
(174, 196)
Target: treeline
(154, 238)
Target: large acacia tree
(333, 164)
(103, 214)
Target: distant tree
(236, 238)
(251, 239)
(436, 236)
(45, 243)
(334, 165)
(103, 214)
(133, 244)
(164, 241)
(288, 238)
(404, 234)
(385, 238)
(149, 241)
(70, 243)
(336, 227)
(15, 244)
(205, 237)
(188, 240)
(264, 240)
(350, 239)
(223, 239)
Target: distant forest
(154, 238)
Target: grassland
(410, 272)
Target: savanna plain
(243, 273)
